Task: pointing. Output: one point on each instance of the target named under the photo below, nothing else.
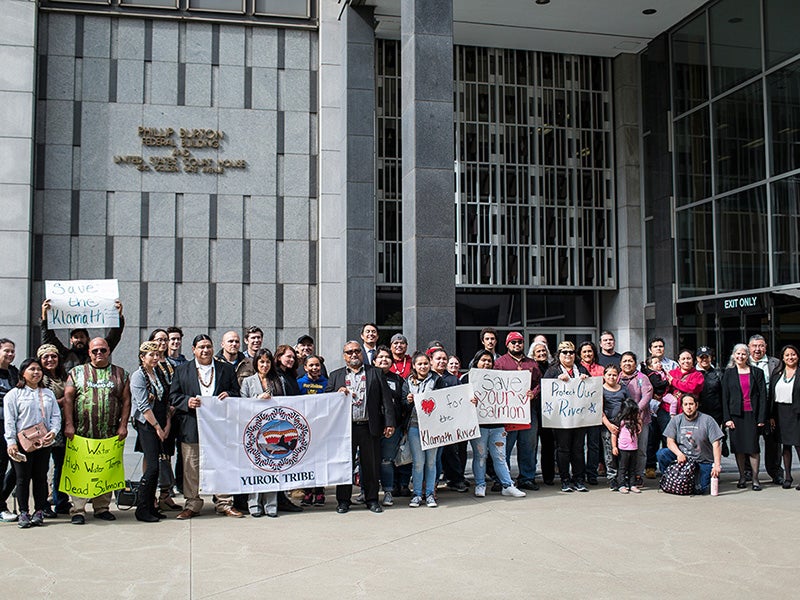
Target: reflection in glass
(742, 240)
(473, 308)
(689, 58)
(154, 3)
(692, 158)
(786, 230)
(784, 97)
(735, 42)
(783, 24)
(695, 244)
(739, 138)
(219, 5)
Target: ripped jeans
(493, 441)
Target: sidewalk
(549, 544)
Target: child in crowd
(625, 443)
(313, 382)
(614, 395)
(658, 377)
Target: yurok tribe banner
(573, 403)
(252, 445)
(446, 416)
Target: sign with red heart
(446, 416)
(428, 404)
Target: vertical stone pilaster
(428, 154)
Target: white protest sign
(502, 396)
(446, 416)
(573, 403)
(82, 303)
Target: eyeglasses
(568, 352)
(352, 351)
(99, 351)
(50, 357)
(514, 342)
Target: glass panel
(692, 158)
(154, 3)
(482, 310)
(739, 136)
(742, 240)
(570, 310)
(284, 8)
(695, 244)
(236, 6)
(782, 24)
(784, 97)
(649, 257)
(735, 42)
(689, 64)
(786, 230)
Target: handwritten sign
(446, 416)
(573, 403)
(82, 303)
(92, 467)
(502, 396)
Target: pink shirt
(744, 382)
(626, 440)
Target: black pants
(369, 461)
(593, 453)
(627, 467)
(60, 500)
(151, 448)
(569, 451)
(32, 470)
(547, 457)
(773, 454)
(454, 462)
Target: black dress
(744, 436)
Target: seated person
(693, 436)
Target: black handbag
(679, 478)
(166, 476)
(128, 497)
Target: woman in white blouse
(784, 395)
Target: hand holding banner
(92, 467)
(82, 303)
(573, 403)
(446, 416)
(502, 396)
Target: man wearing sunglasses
(526, 437)
(97, 405)
(373, 418)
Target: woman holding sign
(493, 442)
(420, 381)
(32, 420)
(569, 442)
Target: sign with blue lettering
(87, 303)
(573, 403)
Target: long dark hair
(594, 351)
(414, 376)
(474, 362)
(24, 366)
(272, 376)
(783, 351)
(629, 416)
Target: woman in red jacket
(685, 379)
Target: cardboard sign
(502, 396)
(92, 467)
(573, 403)
(85, 303)
(446, 416)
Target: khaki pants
(191, 481)
(100, 503)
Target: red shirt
(402, 367)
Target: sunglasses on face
(568, 352)
(99, 351)
(352, 351)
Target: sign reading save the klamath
(502, 396)
(446, 416)
(572, 403)
(82, 303)
(181, 159)
(92, 467)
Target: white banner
(85, 303)
(251, 445)
(446, 416)
(502, 396)
(573, 403)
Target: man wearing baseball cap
(304, 349)
(526, 439)
(401, 361)
(711, 395)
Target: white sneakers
(480, 491)
(513, 492)
(8, 517)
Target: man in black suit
(373, 417)
(202, 376)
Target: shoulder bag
(32, 438)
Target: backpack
(679, 478)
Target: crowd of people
(655, 413)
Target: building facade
(433, 166)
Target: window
(782, 26)
(735, 42)
(692, 158)
(690, 69)
(784, 98)
(739, 133)
(695, 243)
(786, 230)
(742, 239)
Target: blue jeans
(388, 451)
(492, 439)
(423, 464)
(666, 457)
(526, 441)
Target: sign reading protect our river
(572, 403)
(92, 467)
(82, 303)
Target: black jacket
(380, 410)
(711, 394)
(185, 385)
(773, 380)
(732, 400)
